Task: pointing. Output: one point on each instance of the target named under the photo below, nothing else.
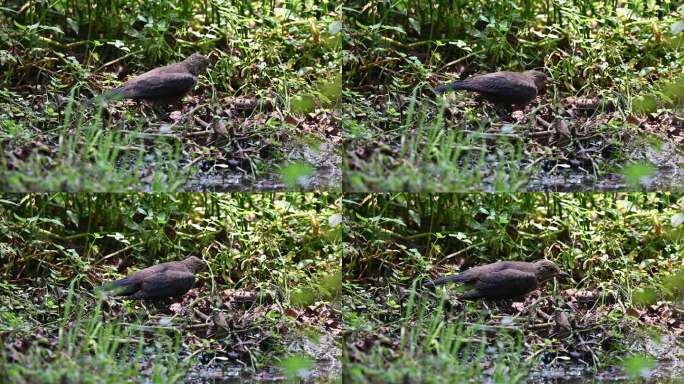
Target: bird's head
(195, 264)
(548, 269)
(539, 78)
(196, 63)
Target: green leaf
(639, 366)
(634, 173)
(296, 366)
(294, 174)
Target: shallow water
(664, 179)
(665, 372)
(326, 179)
(325, 353)
(325, 160)
(322, 372)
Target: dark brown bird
(170, 279)
(504, 87)
(503, 279)
(163, 85)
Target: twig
(117, 60)
(200, 133)
(541, 326)
(459, 60)
(200, 314)
(454, 254)
(193, 162)
(115, 253)
(542, 133)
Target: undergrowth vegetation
(90, 349)
(269, 296)
(610, 115)
(266, 107)
(624, 252)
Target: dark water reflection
(665, 372)
(322, 372)
(664, 179)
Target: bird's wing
(503, 284)
(507, 85)
(122, 287)
(473, 274)
(143, 273)
(169, 68)
(165, 284)
(447, 87)
(457, 278)
(159, 85)
(467, 276)
(462, 277)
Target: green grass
(432, 156)
(299, 228)
(87, 157)
(434, 348)
(85, 347)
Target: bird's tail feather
(448, 87)
(114, 94)
(121, 282)
(443, 280)
(117, 287)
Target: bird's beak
(563, 274)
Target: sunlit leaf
(639, 366)
(645, 104)
(335, 27)
(635, 173)
(296, 366)
(335, 220)
(295, 174)
(645, 296)
(303, 104)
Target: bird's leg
(486, 306)
(534, 312)
(499, 110)
(142, 304)
(141, 105)
(158, 108)
(507, 304)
